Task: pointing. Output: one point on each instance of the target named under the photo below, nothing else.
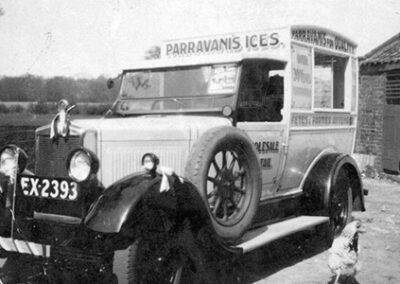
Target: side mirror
(110, 83)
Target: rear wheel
(341, 205)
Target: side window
(261, 91)
(329, 81)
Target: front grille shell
(51, 161)
(51, 156)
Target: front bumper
(25, 247)
(29, 262)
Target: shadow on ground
(266, 261)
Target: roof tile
(387, 52)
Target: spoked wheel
(224, 167)
(341, 206)
(228, 190)
(341, 210)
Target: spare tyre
(223, 165)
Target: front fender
(6, 203)
(111, 210)
(137, 200)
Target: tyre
(341, 204)
(145, 262)
(151, 263)
(161, 263)
(224, 167)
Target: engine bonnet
(148, 128)
(121, 142)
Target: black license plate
(46, 187)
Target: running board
(264, 235)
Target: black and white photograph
(199, 142)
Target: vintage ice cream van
(258, 127)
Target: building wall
(369, 137)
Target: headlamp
(81, 164)
(12, 158)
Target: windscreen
(198, 88)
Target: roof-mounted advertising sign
(323, 38)
(224, 44)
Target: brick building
(378, 133)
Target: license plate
(44, 187)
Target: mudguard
(319, 183)
(6, 200)
(137, 199)
(5, 215)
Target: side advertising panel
(302, 77)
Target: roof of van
(270, 43)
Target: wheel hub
(225, 181)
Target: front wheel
(150, 262)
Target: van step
(264, 235)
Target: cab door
(259, 114)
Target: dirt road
(303, 258)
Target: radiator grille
(51, 156)
(124, 158)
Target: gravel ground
(303, 258)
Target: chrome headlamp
(81, 164)
(12, 159)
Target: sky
(98, 37)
